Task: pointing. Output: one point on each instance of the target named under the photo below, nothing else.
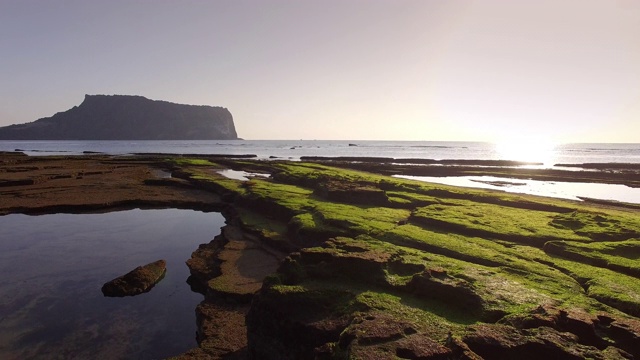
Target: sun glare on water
(529, 150)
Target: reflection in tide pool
(563, 190)
(241, 175)
(53, 267)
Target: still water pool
(556, 189)
(53, 267)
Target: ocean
(547, 156)
(294, 149)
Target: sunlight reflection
(531, 150)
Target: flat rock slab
(245, 262)
(74, 184)
(140, 280)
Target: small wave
(408, 146)
(46, 151)
(598, 150)
(230, 145)
(422, 146)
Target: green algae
(608, 287)
(494, 221)
(476, 226)
(599, 226)
(623, 257)
(191, 162)
(437, 256)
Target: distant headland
(125, 117)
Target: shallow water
(241, 175)
(53, 266)
(556, 189)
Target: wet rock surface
(139, 280)
(626, 174)
(328, 263)
(92, 183)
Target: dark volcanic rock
(352, 193)
(298, 325)
(121, 117)
(504, 342)
(137, 281)
(381, 336)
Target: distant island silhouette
(126, 117)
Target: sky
(485, 70)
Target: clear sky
(487, 70)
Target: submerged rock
(140, 280)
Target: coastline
(269, 234)
(295, 149)
(608, 173)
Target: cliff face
(122, 117)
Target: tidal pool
(557, 189)
(240, 175)
(53, 268)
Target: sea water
(294, 149)
(556, 189)
(549, 157)
(53, 268)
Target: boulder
(140, 280)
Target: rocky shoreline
(612, 173)
(326, 262)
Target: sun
(526, 149)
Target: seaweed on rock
(382, 267)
